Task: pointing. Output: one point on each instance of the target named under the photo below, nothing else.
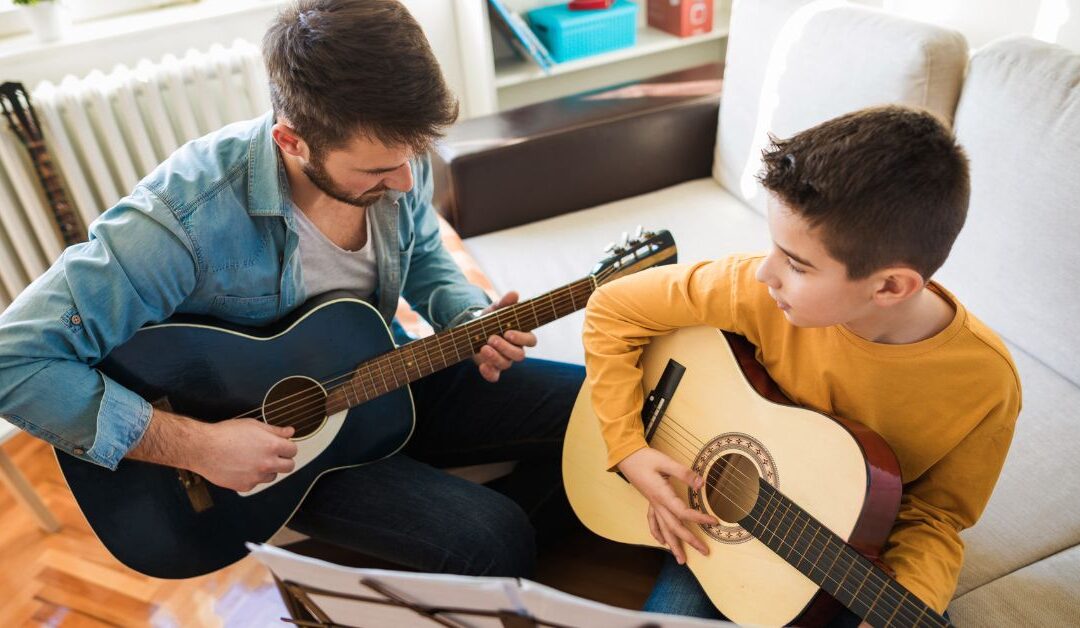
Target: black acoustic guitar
(330, 370)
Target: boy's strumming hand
(650, 471)
(501, 352)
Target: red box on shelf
(681, 17)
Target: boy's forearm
(924, 547)
(926, 556)
(611, 362)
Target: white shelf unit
(519, 82)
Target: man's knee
(500, 542)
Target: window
(12, 23)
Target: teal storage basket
(575, 34)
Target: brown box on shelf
(681, 17)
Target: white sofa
(1015, 106)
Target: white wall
(1056, 21)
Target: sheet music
(429, 589)
(522, 596)
(563, 608)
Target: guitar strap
(23, 121)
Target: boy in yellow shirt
(862, 210)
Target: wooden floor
(69, 578)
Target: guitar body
(840, 473)
(142, 512)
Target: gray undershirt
(326, 267)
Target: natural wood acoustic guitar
(804, 501)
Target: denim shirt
(210, 231)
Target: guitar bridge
(195, 486)
(652, 413)
(658, 400)
(197, 491)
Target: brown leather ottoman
(562, 155)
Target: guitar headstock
(15, 103)
(631, 254)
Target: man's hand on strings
(501, 352)
(237, 453)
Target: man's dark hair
(885, 185)
(341, 67)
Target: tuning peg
(624, 241)
(638, 233)
(610, 248)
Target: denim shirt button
(78, 451)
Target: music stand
(319, 594)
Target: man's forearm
(170, 439)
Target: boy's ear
(289, 141)
(897, 284)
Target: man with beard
(330, 191)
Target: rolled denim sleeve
(435, 286)
(137, 267)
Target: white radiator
(107, 131)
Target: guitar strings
(301, 403)
(450, 339)
(871, 569)
(866, 565)
(557, 298)
(824, 550)
(687, 437)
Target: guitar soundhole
(732, 464)
(731, 487)
(296, 401)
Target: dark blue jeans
(405, 510)
(677, 592)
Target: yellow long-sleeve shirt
(946, 405)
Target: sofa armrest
(563, 155)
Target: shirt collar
(268, 189)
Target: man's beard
(315, 171)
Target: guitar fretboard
(410, 362)
(23, 121)
(71, 230)
(832, 564)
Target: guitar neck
(844, 573)
(71, 229)
(23, 121)
(423, 357)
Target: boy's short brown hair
(885, 186)
(339, 67)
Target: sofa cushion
(1015, 262)
(1035, 508)
(792, 64)
(1041, 594)
(705, 220)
